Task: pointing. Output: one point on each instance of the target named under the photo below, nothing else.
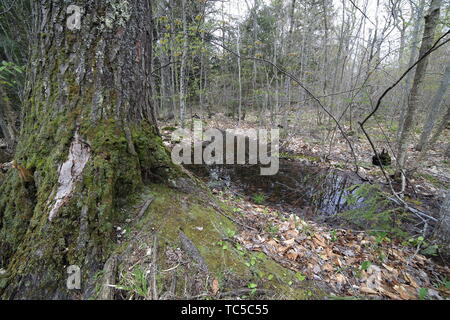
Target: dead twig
(153, 269)
(144, 208)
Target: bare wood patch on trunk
(69, 173)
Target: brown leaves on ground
(352, 263)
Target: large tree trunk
(88, 140)
(431, 21)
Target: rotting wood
(189, 247)
(109, 279)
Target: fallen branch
(417, 212)
(144, 208)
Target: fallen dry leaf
(406, 292)
(215, 286)
(367, 290)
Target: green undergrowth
(372, 210)
(212, 234)
(433, 180)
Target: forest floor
(349, 263)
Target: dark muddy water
(304, 189)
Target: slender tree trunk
(401, 50)
(287, 80)
(202, 76)
(431, 21)
(238, 41)
(183, 67)
(412, 59)
(434, 138)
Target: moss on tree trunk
(89, 86)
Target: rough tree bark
(183, 67)
(443, 230)
(89, 139)
(8, 119)
(431, 21)
(412, 58)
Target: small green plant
(423, 293)
(431, 250)
(300, 277)
(334, 236)
(259, 198)
(136, 283)
(273, 229)
(381, 237)
(253, 287)
(237, 210)
(365, 265)
(169, 128)
(223, 244)
(416, 241)
(240, 248)
(9, 72)
(308, 293)
(427, 249)
(252, 262)
(442, 284)
(230, 233)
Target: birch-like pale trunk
(412, 58)
(431, 21)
